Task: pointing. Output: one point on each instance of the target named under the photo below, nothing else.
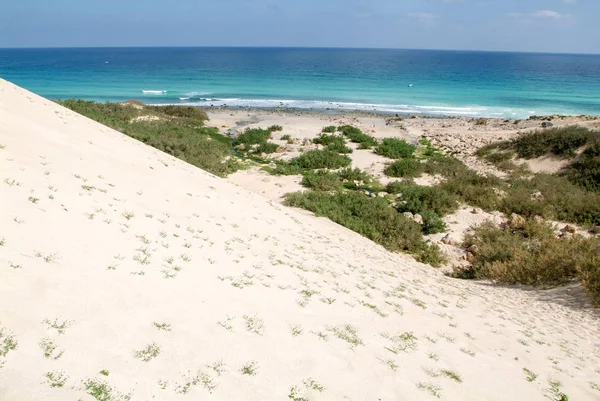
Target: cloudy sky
(571, 26)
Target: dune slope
(128, 274)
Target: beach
(130, 274)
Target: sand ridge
(127, 272)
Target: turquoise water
(451, 83)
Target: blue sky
(520, 25)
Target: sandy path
(252, 301)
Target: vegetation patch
(528, 252)
(318, 159)
(178, 131)
(357, 136)
(395, 148)
(371, 217)
(321, 180)
(404, 168)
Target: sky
(562, 26)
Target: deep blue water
(510, 85)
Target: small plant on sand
(296, 330)
(254, 324)
(148, 353)
(128, 215)
(60, 325)
(2, 241)
(50, 348)
(431, 388)
(218, 367)
(529, 375)
(250, 368)
(554, 391)
(404, 342)
(319, 159)
(321, 181)
(104, 372)
(329, 129)
(274, 128)
(347, 333)
(7, 342)
(33, 200)
(404, 168)
(162, 326)
(56, 379)
(302, 392)
(451, 375)
(102, 391)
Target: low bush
(274, 128)
(321, 181)
(474, 189)
(284, 169)
(432, 223)
(181, 111)
(404, 168)
(355, 174)
(395, 148)
(370, 217)
(286, 137)
(419, 199)
(585, 171)
(326, 140)
(552, 197)
(446, 166)
(330, 129)
(318, 159)
(338, 148)
(531, 254)
(252, 136)
(562, 142)
(179, 131)
(266, 147)
(357, 136)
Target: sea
(387, 81)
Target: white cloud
(541, 14)
(424, 18)
(548, 14)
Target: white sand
(84, 201)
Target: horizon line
(289, 47)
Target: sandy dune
(128, 274)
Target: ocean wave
(153, 92)
(467, 111)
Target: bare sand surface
(128, 274)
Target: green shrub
(274, 128)
(406, 168)
(284, 169)
(252, 136)
(562, 142)
(446, 166)
(355, 135)
(432, 223)
(321, 180)
(474, 189)
(326, 140)
(431, 254)
(355, 174)
(585, 171)
(419, 199)
(286, 137)
(338, 148)
(179, 131)
(555, 198)
(330, 129)
(266, 147)
(395, 148)
(370, 217)
(531, 254)
(317, 159)
(181, 111)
